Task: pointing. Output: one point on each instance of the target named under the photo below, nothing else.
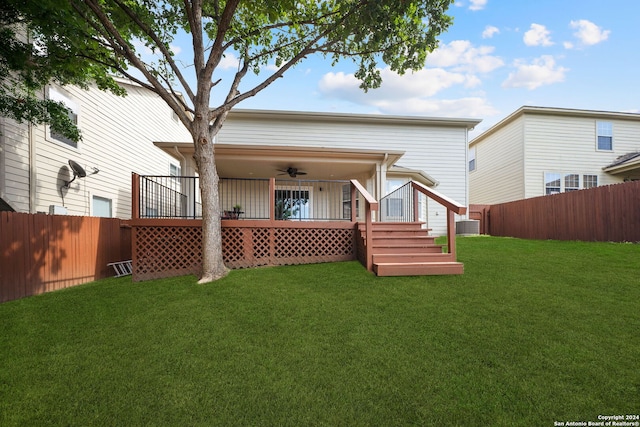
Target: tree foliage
(90, 37)
(39, 45)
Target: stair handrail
(371, 204)
(452, 206)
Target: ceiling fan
(292, 172)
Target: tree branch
(161, 46)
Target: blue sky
(498, 56)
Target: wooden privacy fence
(42, 253)
(607, 214)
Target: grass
(533, 332)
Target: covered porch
(289, 221)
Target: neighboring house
(382, 152)
(117, 139)
(537, 151)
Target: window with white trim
(174, 170)
(472, 159)
(102, 207)
(589, 181)
(552, 183)
(604, 136)
(73, 113)
(571, 182)
(556, 182)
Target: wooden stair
(407, 249)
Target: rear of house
(382, 152)
(537, 151)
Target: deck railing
(247, 198)
(401, 205)
(165, 197)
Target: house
(381, 152)
(117, 139)
(306, 186)
(537, 151)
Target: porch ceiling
(251, 161)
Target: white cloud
(477, 4)
(229, 61)
(408, 94)
(423, 83)
(542, 71)
(490, 31)
(588, 33)
(462, 56)
(538, 35)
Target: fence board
(42, 253)
(608, 214)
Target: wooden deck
(407, 249)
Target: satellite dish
(78, 171)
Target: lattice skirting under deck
(167, 251)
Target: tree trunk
(213, 267)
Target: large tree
(398, 33)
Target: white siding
(499, 174)
(440, 151)
(118, 135)
(14, 165)
(568, 145)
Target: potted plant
(237, 210)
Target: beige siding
(568, 145)
(14, 170)
(499, 174)
(118, 135)
(439, 151)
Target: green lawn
(533, 332)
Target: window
(605, 136)
(552, 183)
(54, 95)
(472, 159)
(346, 202)
(589, 181)
(555, 182)
(571, 182)
(102, 207)
(394, 204)
(174, 170)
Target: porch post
(451, 232)
(272, 199)
(135, 196)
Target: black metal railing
(249, 198)
(169, 197)
(400, 205)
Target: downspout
(191, 204)
(466, 171)
(32, 170)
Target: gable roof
(567, 112)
